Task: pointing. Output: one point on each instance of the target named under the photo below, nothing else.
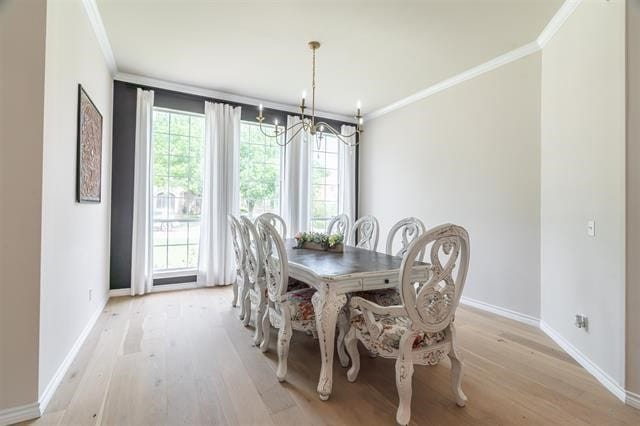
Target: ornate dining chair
(255, 300)
(238, 252)
(339, 224)
(287, 310)
(364, 233)
(404, 232)
(276, 221)
(421, 329)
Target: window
(178, 141)
(261, 160)
(324, 183)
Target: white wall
(75, 237)
(633, 196)
(583, 163)
(469, 155)
(22, 45)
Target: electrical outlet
(582, 321)
(90, 294)
(591, 228)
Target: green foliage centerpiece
(320, 241)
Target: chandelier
(309, 123)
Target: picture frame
(89, 150)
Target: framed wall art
(89, 156)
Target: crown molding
(224, 96)
(501, 60)
(556, 22)
(561, 16)
(95, 19)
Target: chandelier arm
(275, 135)
(284, 131)
(288, 141)
(339, 135)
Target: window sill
(177, 276)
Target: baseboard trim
(119, 292)
(503, 312)
(48, 392)
(628, 397)
(606, 380)
(633, 400)
(19, 414)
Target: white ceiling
(374, 51)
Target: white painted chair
(409, 229)
(365, 233)
(287, 311)
(238, 252)
(275, 221)
(340, 224)
(421, 330)
(404, 232)
(255, 300)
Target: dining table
(334, 276)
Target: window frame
(339, 173)
(175, 275)
(281, 168)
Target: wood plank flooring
(183, 358)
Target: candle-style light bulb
(358, 105)
(361, 121)
(275, 122)
(304, 95)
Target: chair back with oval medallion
(276, 267)
(365, 233)
(275, 221)
(431, 304)
(252, 251)
(408, 230)
(339, 224)
(238, 253)
(236, 241)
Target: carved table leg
(343, 327)
(327, 305)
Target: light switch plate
(591, 228)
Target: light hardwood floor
(184, 358)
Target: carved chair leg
(343, 327)
(266, 331)
(258, 336)
(246, 303)
(404, 375)
(244, 293)
(284, 339)
(457, 368)
(234, 302)
(351, 344)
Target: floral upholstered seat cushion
(301, 306)
(393, 328)
(296, 285)
(385, 297)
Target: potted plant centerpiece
(320, 241)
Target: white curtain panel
(296, 191)
(347, 183)
(220, 194)
(142, 247)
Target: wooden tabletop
(352, 261)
